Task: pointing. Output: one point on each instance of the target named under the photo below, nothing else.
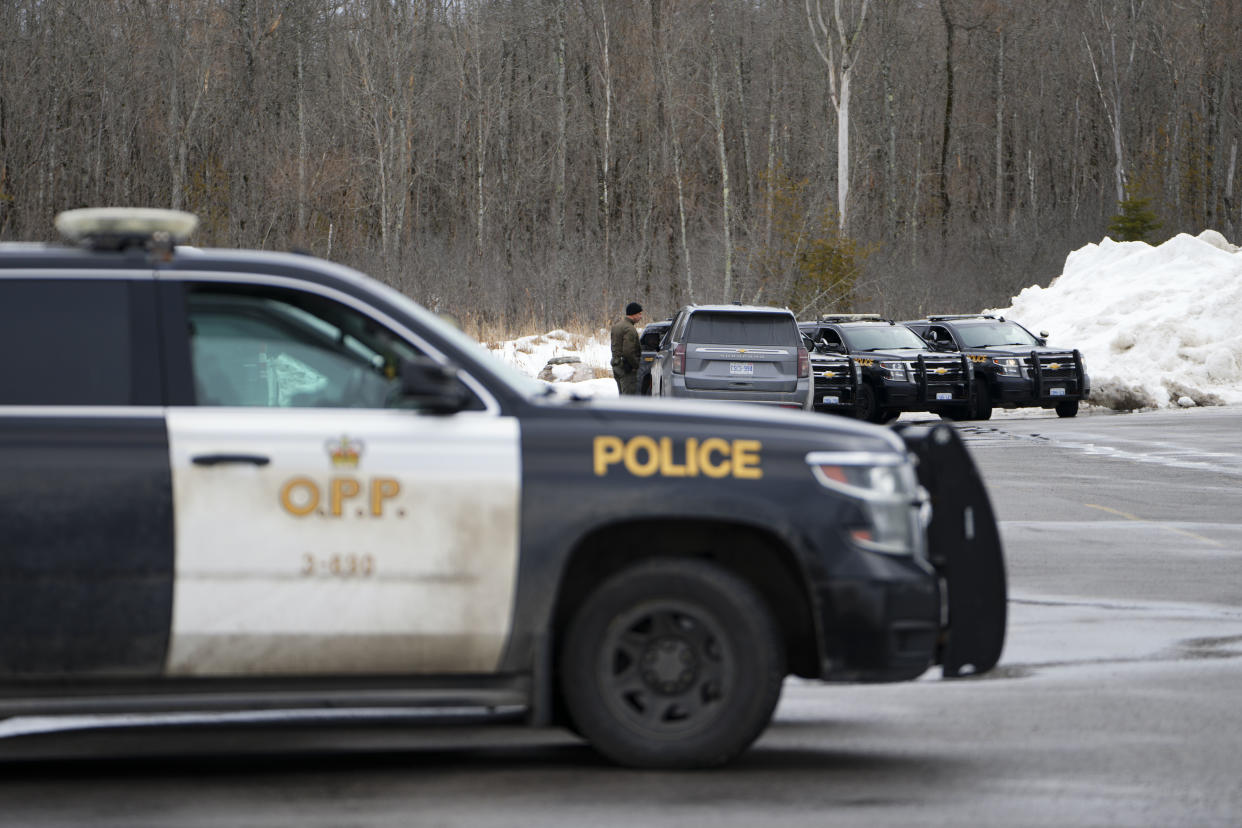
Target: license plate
(741, 369)
(944, 395)
(1057, 392)
(831, 401)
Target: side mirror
(429, 386)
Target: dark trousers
(627, 382)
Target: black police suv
(240, 480)
(897, 370)
(836, 377)
(649, 343)
(1013, 367)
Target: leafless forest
(526, 163)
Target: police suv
(239, 480)
(649, 343)
(1014, 368)
(836, 375)
(898, 372)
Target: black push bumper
(908, 613)
(963, 544)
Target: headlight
(1009, 366)
(896, 370)
(888, 491)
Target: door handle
(221, 459)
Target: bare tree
(1111, 51)
(838, 45)
(718, 110)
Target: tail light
(679, 359)
(804, 363)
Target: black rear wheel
(1068, 408)
(672, 664)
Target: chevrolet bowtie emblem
(1052, 366)
(942, 370)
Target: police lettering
(644, 456)
(302, 496)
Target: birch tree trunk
(838, 48)
(722, 155)
(665, 77)
(1112, 61)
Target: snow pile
(531, 354)
(1157, 326)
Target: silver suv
(743, 353)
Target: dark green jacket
(625, 351)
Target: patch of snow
(530, 355)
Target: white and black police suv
(236, 480)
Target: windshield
(881, 338)
(473, 351)
(986, 334)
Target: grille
(1055, 366)
(953, 370)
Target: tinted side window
(66, 342)
(650, 340)
(708, 328)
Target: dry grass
(493, 332)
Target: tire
(1068, 408)
(672, 664)
(983, 401)
(868, 406)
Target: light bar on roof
(129, 223)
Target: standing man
(625, 351)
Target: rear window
(711, 328)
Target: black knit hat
(633, 308)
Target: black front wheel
(1068, 408)
(869, 405)
(983, 401)
(672, 664)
